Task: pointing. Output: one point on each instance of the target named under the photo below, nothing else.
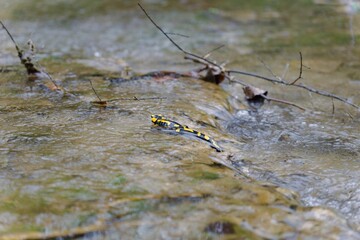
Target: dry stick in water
(300, 70)
(268, 68)
(31, 69)
(178, 34)
(173, 42)
(50, 77)
(282, 101)
(104, 102)
(213, 50)
(136, 99)
(26, 61)
(203, 60)
(299, 85)
(92, 87)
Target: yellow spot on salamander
(188, 129)
(156, 117)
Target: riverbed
(69, 167)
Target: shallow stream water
(100, 173)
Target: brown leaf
(252, 92)
(255, 96)
(214, 75)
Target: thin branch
(11, 37)
(92, 87)
(268, 68)
(349, 114)
(136, 99)
(178, 34)
(282, 101)
(48, 75)
(161, 30)
(26, 61)
(102, 102)
(202, 60)
(299, 85)
(173, 42)
(300, 70)
(213, 50)
(231, 79)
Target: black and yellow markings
(160, 120)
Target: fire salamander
(161, 121)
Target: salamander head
(156, 117)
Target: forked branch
(300, 70)
(187, 54)
(299, 85)
(218, 68)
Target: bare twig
(11, 37)
(269, 69)
(213, 50)
(174, 43)
(281, 78)
(92, 87)
(351, 116)
(257, 95)
(231, 79)
(299, 85)
(136, 99)
(300, 70)
(282, 101)
(178, 34)
(161, 30)
(25, 60)
(49, 76)
(122, 99)
(198, 59)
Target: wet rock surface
(67, 165)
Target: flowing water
(68, 166)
